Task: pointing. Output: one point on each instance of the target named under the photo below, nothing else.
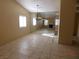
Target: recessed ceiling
(49, 14)
(44, 5)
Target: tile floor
(38, 45)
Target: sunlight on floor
(48, 34)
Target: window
(45, 22)
(22, 21)
(57, 22)
(34, 21)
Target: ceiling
(44, 5)
(46, 8)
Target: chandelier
(37, 14)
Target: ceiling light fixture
(37, 15)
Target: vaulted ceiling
(47, 7)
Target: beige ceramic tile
(38, 45)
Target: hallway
(38, 45)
